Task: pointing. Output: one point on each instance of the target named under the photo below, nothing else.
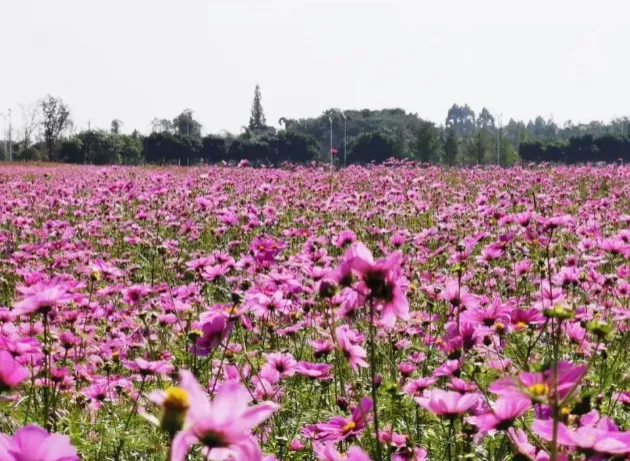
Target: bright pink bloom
(380, 282)
(506, 410)
(222, 426)
(11, 372)
(447, 403)
(587, 438)
(32, 443)
(340, 428)
(328, 452)
(42, 297)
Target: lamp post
(345, 138)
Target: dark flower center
(379, 286)
(213, 439)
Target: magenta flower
(340, 428)
(284, 364)
(447, 403)
(506, 410)
(589, 439)
(145, 368)
(328, 452)
(459, 295)
(353, 352)
(134, 294)
(222, 426)
(319, 371)
(32, 443)
(41, 298)
(380, 281)
(214, 328)
(539, 386)
(11, 372)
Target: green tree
(375, 146)
(257, 119)
(426, 145)
(115, 126)
(478, 147)
(185, 124)
(451, 146)
(56, 116)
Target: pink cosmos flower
(459, 295)
(586, 438)
(328, 452)
(42, 297)
(354, 353)
(145, 368)
(541, 385)
(11, 372)
(380, 280)
(447, 403)
(340, 428)
(222, 426)
(319, 371)
(214, 328)
(416, 386)
(32, 443)
(506, 409)
(134, 294)
(284, 364)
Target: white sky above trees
(139, 59)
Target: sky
(135, 60)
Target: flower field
(390, 312)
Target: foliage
(56, 116)
(375, 146)
(257, 119)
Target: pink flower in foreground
(42, 298)
(32, 443)
(222, 426)
(340, 428)
(11, 372)
(447, 403)
(380, 278)
(506, 410)
(541, 385)
(328, 452)
(586, 438)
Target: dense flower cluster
(264, 314)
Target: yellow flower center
(349, 427)
(539, 389)
(565, 411)
(176, 399)
(521, 325)
(232, 310)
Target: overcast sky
(139, 59)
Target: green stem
(373, 377)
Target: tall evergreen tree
(450, 146)
(257, 119)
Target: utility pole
(4, 138)
(10, 143)
(345, 139)
(331, 140)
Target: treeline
(344, 137)
(581, 149)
